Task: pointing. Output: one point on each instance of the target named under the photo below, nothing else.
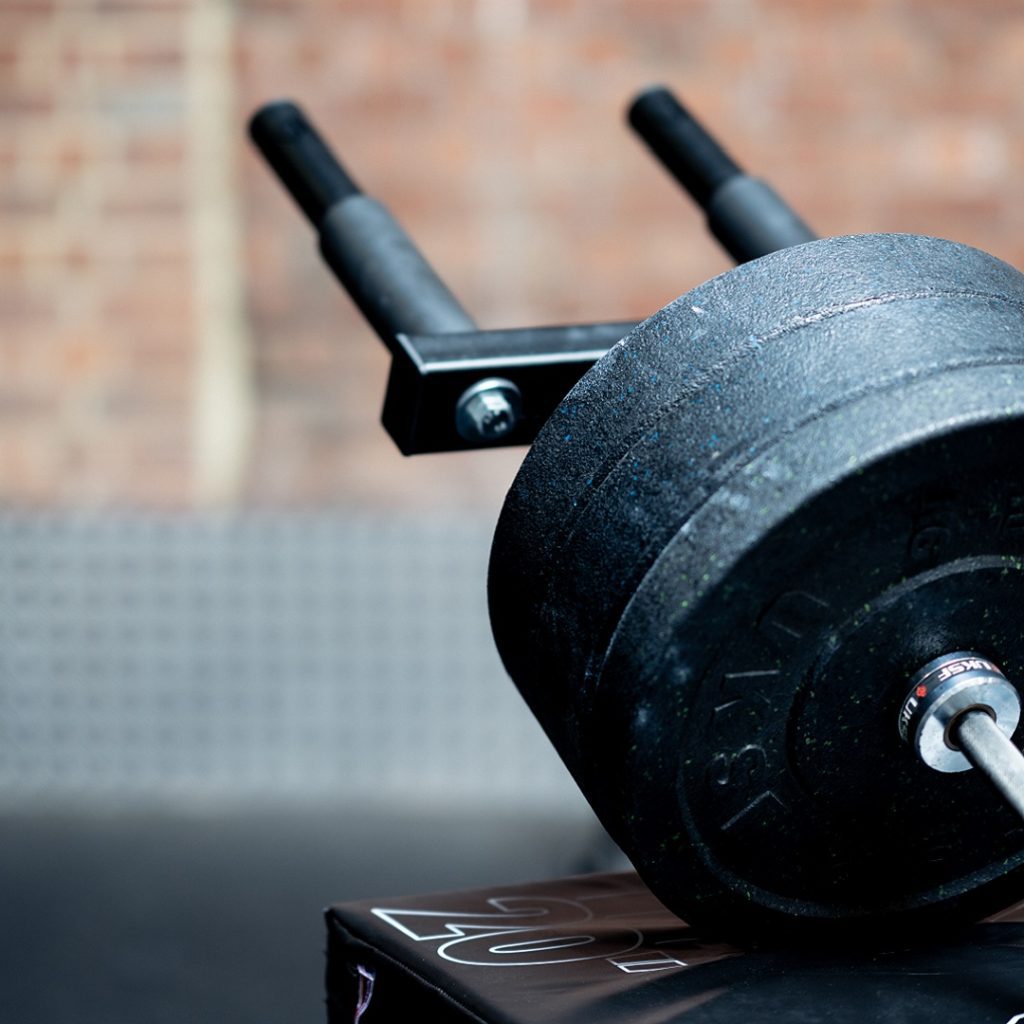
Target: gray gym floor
(216, 917)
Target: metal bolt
(488, 411)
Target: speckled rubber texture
(785, 429)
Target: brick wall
(169, 337)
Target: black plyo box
(600, 948)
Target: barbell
(761, 574)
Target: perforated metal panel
(255, 657)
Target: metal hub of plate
(943, 691)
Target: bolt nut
(488, 411)
(943, 690)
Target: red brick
(153, 56)
(19, 103)
(31, 8)
(144, 208)
(144, 7)
(506, 157)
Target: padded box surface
(599, 948)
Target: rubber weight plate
(734, 543)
